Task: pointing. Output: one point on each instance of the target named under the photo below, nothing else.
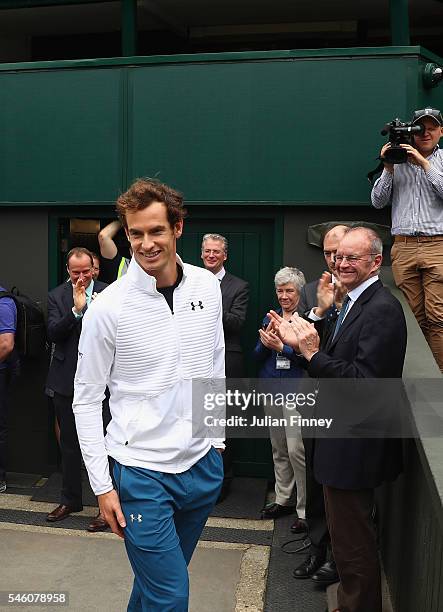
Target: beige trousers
(417, 265)
(288, 454)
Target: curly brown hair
(144, 192)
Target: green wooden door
(251, 255)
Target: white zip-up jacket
(147, 356)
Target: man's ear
(381, 260)
(178, 228)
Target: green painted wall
(286, 127)
(61, 135)
(262, 131)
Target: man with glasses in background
(368, 342)
(415, 191)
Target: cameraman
(415, 191)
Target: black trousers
(71, 493)
(3, 422)
(315, 505)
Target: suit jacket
(371, 343)
(64, 331)
(235, 298)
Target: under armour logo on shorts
(137, 518)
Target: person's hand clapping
(79, 295)
(270, 339)
(283, 329)
(325, 294)
(308, 338)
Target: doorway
(255, 252)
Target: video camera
(399, 133)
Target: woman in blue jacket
(277, 361)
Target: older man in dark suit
(235, 298)
(368, 342)
(66, 305)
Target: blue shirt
(8, 319)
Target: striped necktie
(341, 316)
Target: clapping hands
(297, 333)
(270, 339)
(79, 295)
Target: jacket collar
(221, 274)
(226, 278)
(358, 291)
(356, 309)
(145, 281)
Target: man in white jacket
(147, 337)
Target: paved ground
(239, 565)
(226, 576)
(95, 574)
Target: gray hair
(217, 237)
(290, 275)
(373, 237)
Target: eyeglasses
(352, 259)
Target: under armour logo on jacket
(137, 518)
(194, 306)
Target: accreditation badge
(282, 363)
